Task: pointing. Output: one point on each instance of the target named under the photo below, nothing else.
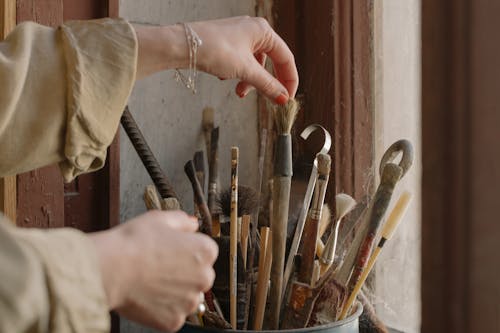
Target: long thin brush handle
(147, 157)
(300, 225)
(390, 176)
(253, 231)
(263, 279)
(394, 219)
(233, 244)
(206, 225)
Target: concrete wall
(397, 84)
(170, 116)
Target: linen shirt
(62, 92)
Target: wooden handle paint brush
(207, 124)
(265, 261)
(148, 159)
(151, 199)
(391, 173)
(344, 203)
(388, 229)
(199, 166)
(253, 230)
(307, 201)
(311, 228)
(206, 225)
(284, 116)
(233, 244)
(213, 178)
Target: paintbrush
(306, 202)
(206, 225)
(390, 174)
(332, 297)
(253, 229)
(151, 199)
(170, 199)
(199, 166)
(265, 260)
(247, 201)
(233, 234)
(388, 229)
(310, 234)
(302, 291)
(284, 116)
(344, 203)
(207, 124)
(213, 179)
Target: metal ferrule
(283, 156)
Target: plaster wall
(397, 116)
(170, 116)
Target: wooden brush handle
(233, 244)
(390, 176)
(213, 172)
(151, 199)
(311, 228)
(147, 157)
(206, 225)
(263, 277)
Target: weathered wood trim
(8, 184)
(333, 45)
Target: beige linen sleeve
(62, 92)
(50, 282)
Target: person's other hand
(237, 48)
(155, 266)
(232, 48)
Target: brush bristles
(284, 116)
(247, 201)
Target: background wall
(170, 115)
(397, 116)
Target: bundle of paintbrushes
(273, 278)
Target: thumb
(180, 221)
(266, 83)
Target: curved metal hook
(328, 139)
(402, 146)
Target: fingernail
(221, 78)
(242, 94)
(281, 99)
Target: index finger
(283, 62)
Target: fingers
(283, 62)
(243, 88)
(262, 80)
(177, 220)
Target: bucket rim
(352, 317)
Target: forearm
(160, 48)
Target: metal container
(347, 325)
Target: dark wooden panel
(47, 12)
(332, 43)
(40, 198)
(92, 201)
(461, 166)
(78, 10)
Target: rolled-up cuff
(101, 58)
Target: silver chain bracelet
(194, 41)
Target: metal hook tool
(307, 200)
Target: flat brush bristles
(284, 116)
(248, 201)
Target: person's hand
(232, 48)
(237, 48)
(155, 266)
